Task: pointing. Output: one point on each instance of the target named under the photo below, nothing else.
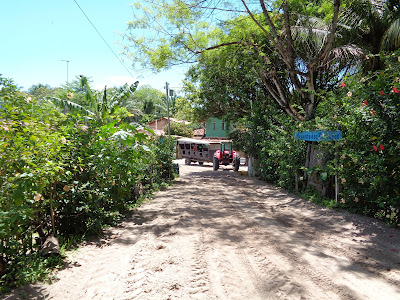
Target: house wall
(214, 128)
(160, 124)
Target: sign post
(318, 136)
(321, 136)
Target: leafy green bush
(64, 175)
(31, 161)
(269, 138)
(367, 111)
(179, 128)
(367, 159)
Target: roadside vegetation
(366, 108)
(67, 172)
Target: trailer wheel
(200, 163)
(187, 161)
(215, 164)
(237, 164)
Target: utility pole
(67, 61)
(166, 93)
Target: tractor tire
(237, 164)
(187, 161)
(215, 164)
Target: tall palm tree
(391, 38)
(378, 27)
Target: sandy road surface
(218, 235)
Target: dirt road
(219, 235)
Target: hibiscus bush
(366, 160)
(367, 110)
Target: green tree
(40, 91)
(184, 110)
(377, 29)
(180, 129)
(367, 110)
(146, 103)
(224, 84)
(31, 160)
(74, 91)
(293, 48)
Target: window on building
(215, 125)
(223, 125)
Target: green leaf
(18, 195)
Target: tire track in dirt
(276, 279)
(301, 267)
(200, 280)
(271, 282)
(151, 257)
(220, 264)
(227, 275)
(282, 252)
(290, 288)
(138, 280)
(333, 244)
(315, 272)
(268, 280)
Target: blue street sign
(318, 136)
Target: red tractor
(226, 156)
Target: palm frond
(126, 92)
(309, 40)
(163, 106)
(64, 103)
(90, 98)
(343, 57)
(349, 20)
(380, 6)
(391, 38)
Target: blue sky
(37, 35)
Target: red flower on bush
(381, 147)
(342, 84)
(395, 90)
(372, 111)
(381, 93)
(365, 102)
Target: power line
(104, 40)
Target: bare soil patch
(219, 235)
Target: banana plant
(100, 106)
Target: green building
(216, 128)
